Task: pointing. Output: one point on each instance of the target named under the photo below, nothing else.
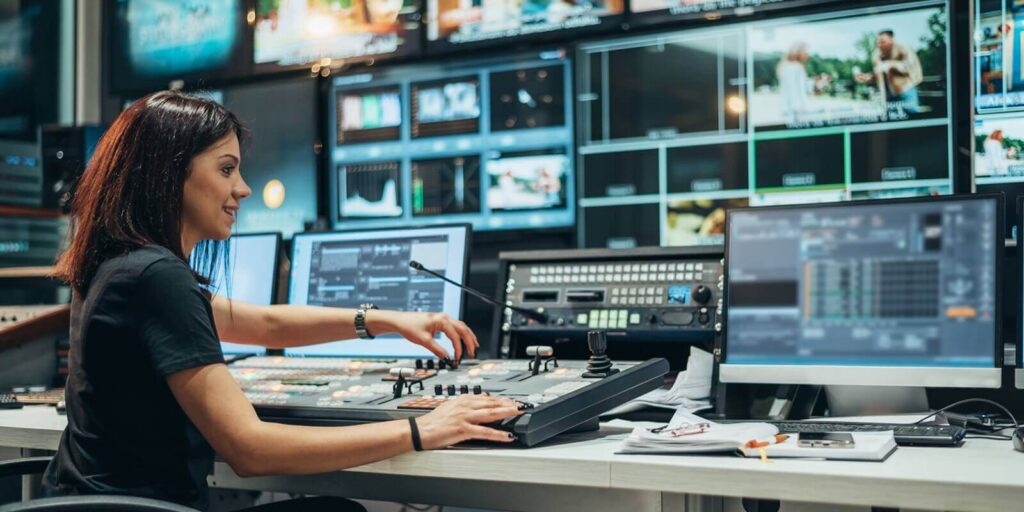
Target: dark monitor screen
(30, 66)
(487, 142)
(824, 294)
(252, 260)
(279, 161)
(290, 34)
(452, 24)
(154, 42)
(765, 112)
(347, 269)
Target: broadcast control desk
(582, 472)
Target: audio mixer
(558, 396)
(645, 294)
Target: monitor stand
(875, 400)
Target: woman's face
(213, 190)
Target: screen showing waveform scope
(639, 90)
(621, 227)
(999, 83)
(874, 68)
(621, 174)
(369, 190)
(453, 23)
(345, 270)
(369, 115)
(881, 284)
(528, 180)
(443, 186)
(30, 66)
(156, 41)
(294, 33)
(446, 107)
(252, 261)
(711, 168)
(528, 98)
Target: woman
(149, 398)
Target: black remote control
(9, 401)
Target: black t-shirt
(143, 317)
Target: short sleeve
(175, 319)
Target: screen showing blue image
(157, 41)
(252, 261)
(679, 294)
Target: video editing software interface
(862, 96)
(999, 102)
(897, 284)
(346, 270)
(252, 260)
(489, 143)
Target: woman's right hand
(462, 419)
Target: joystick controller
(599, 365)
(540, 353)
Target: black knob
(477, 389)
(451, 389)
(560, 322)
(464, 389)
(438, 389)
(652, 319)
(442, 364)
(702, 295)
(597, 342)
(419, 364)
(430, 364)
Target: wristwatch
(361, 321)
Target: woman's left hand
(421, 328)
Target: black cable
(969, 400)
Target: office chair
(36, 465)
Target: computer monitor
(1019, 353)
(252, 260)
(347, 269)
(887, 293)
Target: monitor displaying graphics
(645, 12)
(252, 260)
(488, 142)
(861, 95)
(1019, 359)
(999, 83)
(347, 269)
(289, 33)
(451, 24)
(30, 66)
(897, 293)
(154, 42)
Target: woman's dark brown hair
(131, 192)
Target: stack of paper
(690, 392)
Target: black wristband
(415, 431)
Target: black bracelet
(416, 443)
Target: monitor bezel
(910, 376)
(467, 228)
(1018, 356)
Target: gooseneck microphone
(535, 314)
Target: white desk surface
(981, 475)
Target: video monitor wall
(452, 24)
(999, 102)
(675, 128)
(487, 142)
(154, 42)
(289, 33)
(30, 66)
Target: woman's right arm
(216, 404)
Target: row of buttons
(600, 269)
(618, 278)
(630, 301)
(605, 319)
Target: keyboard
(906, 435)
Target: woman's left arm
(283, 326)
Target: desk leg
(674, 502)
(30, 483)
